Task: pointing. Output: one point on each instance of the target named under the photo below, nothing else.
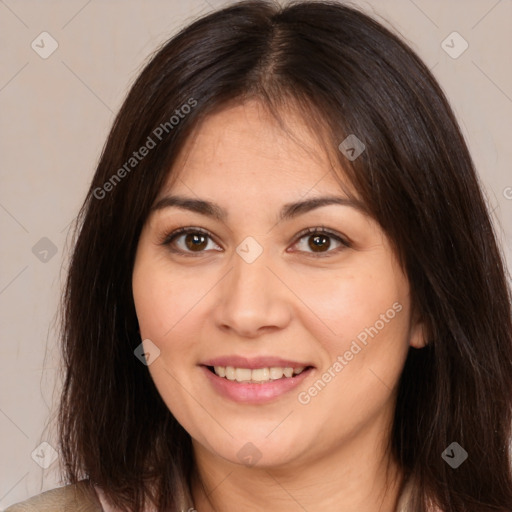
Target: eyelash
(169, 238)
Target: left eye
(196, 240)
(318, 239)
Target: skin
(291, 302)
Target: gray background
(56, 114)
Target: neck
(357, 478)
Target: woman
(286, 292)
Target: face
(254, 294)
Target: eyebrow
(288, 211)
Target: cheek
(364, 317)
(363, 363)
(149, 294)
(163, 306)
(161, 297)
(346, 302)
(168, 305)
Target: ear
(418, 332)
(417, 338)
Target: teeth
(242, 374)
(276, 373)
(230, 373)
(256, 375)
(260, 374)
(220, 371)
(287, 372)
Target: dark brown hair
(346, 74)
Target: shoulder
(70, 498)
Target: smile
(256, 385)
(255, 375)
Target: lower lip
(254, 393)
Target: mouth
(256, 385)
(257, 375)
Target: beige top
(70, 498)
(80, 498)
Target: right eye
(195, 240)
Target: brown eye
(319, 241)
(191, 241)
(195, 241)
(187, 240)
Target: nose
(252, 298)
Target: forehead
(244, 147)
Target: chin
(254, 451)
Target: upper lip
(254, 362)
